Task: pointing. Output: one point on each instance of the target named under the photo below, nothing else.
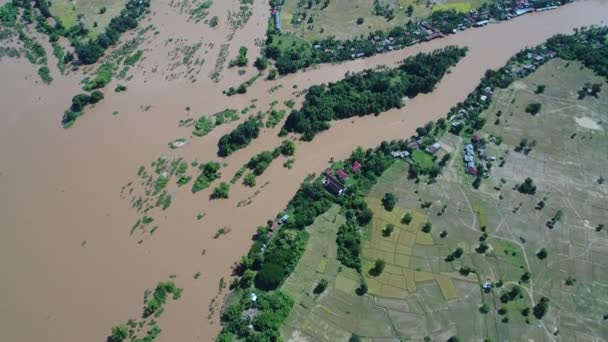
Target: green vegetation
(370, 92)
(209, 173)
(134, 58)
(79, 102)
(205, 124)
(261, 161)
(102, 77)
(533, 108)
(241, 137)
(241, 60)
(379, 266)
(527, 187)
(222, 191)
(242, 88)
(120, 88)
(249, 180)
(274, 117)
(221, 231)
(153, 308)
(261, 63)
(45, 74)
(200, 12)
(321, 286)
(388, 201)
(214, 21)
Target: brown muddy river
(60, 187)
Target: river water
(60, 188)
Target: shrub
(288, 148)
(45, 74)
(407, 218)
(533, 108)
(426, 228)
(321, 286)
(541, 308)
(542, 254)
(261, 63)
(222, 191)
(540, 89)
(249, 180)
(95, 97)
(388, 230)
(119, 88)
(378, 268)
(388, 201)
(119, 333)
(527, 187)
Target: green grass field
(422, 159)
(89, 12)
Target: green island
(371, 91)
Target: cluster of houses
(415, 144)
(426, 31)
(533, 60)
(333, 180)
(477, 149)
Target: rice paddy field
(94, 14)
(420, 294)
(340, 17)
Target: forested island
(370, 91)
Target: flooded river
(71, 271)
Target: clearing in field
(94, 14)
(337, 312)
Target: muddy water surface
(71, 270)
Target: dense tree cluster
(209, 173)
(267, 313)
(370, 91)
(241, 137)
(588, 46)
(91, 51)
(389, 200)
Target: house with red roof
(341, 174)
(356, 166)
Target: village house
(341, 174)
(276, 13)
(400, 154)
(433, 148)
(356, 166)
(334, 185)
